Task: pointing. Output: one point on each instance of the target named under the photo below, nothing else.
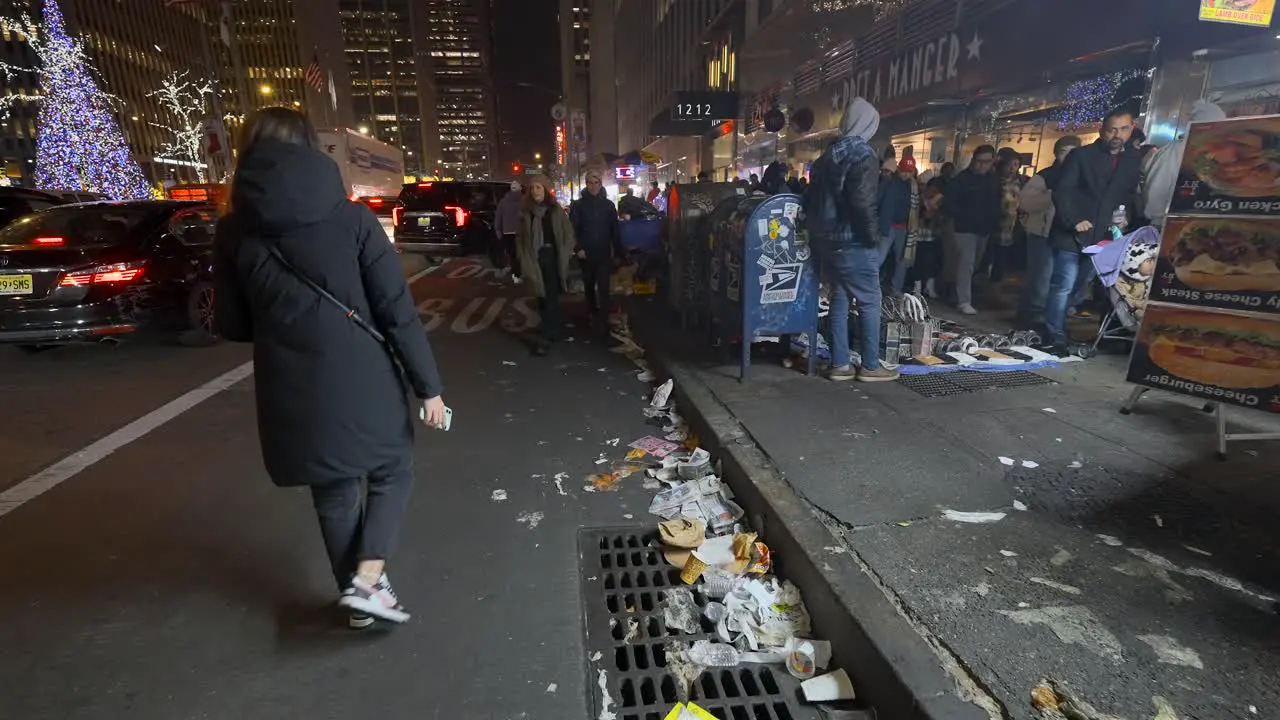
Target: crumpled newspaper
(680, 612)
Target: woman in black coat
(333, 406)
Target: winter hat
(907, 164)
(860, 119)
(542, 180)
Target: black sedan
(101, 271)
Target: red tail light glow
(374, 200)
(51, 241)
(117, 274)
(396, 212)
(459, 214)
(425, 185)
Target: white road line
(73, 464)
(420, 274)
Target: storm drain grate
(624, 584)
(961, 382)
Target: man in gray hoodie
(506, 223)
(840, 205)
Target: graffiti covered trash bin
(688, 249)
(764, 280)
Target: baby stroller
(1125, 268)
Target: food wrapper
(761, 561)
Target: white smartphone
(448, 417)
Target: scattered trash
(1158, 520)
(606, 702)
(529, 518)
(1075, 465)
(680, 612)
(654, 446)
(1111, 540)
(662, 395)
(709, 654)
(1050, 410)
(973, 517)
(602, 460)
(1030, 464)
(498, 495)
(1019, 506)
(636, 454)
(605, 482)
(1008, 553)
(1198, 551)
(1006, 460)
(628, 516)
(560, 478)
(633, 630)
(688, 711)
(613, 443)
(825, 688)
(1056, 585)
(836, 549)
(551, 688)
(508, 362)
(646, 376)
(1056, 702)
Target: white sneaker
(379, 600)
(967, 309)
(515, 279)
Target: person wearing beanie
(506, 224)
(1036, 203)
(845, 231)
(599, 247)
(544, 245)
(894, 209)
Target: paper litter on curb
(1006, 460)
(680, 611)
(498, 495)
(1019, 505)
(662, 395)
(1030, 464)
(973, 517)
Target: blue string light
(79, 145)
(1087, 102)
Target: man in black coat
(973, 200)
(1098, 187)
(599, 243)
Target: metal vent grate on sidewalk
(624, 584)
(961, 382)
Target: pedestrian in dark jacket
(1099, 186)
(545, 246)
(973, 199)
(599, 246)
(506, 223)
(894, 209)
(333, 406)
(840, 204)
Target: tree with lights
(185, 100)
(79, 145)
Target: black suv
(447, 218)
(17, 202)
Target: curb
(893, 667)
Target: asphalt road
(170, 579)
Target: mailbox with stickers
(767, 283)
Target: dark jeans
(1039, 274)
(596, 275)
(507, 247)
(1068, 266)
(549, 304)
(854, 272)
(356, 528)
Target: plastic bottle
(1117, 219)
(709, 654)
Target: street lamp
(265, 89)
(537, 156)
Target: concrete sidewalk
(1129, 563)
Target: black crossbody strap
(349, 312)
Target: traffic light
(515, 168)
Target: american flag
(313, 75)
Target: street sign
(559, 112)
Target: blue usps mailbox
(764, 280)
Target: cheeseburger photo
(1228, 351)
(1231, 255)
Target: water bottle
(708, 654)
(1117, 219)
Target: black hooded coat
(332, 403)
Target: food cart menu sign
(1212, 329)
(1239, 12)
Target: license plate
(16, 285)
(424, 222)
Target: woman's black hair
(278, 124)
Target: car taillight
(51, 241)
(459, 214)
(115, 274)
(396, 212)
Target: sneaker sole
(376, 609)
(879, 379)
(841, 378)
(359, 622)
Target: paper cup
(692, 570)
(827, 688)
(800, 662)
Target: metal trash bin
(688, 251)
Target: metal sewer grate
(961, 382)
(623, 579)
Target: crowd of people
(879, 226)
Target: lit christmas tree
(79, 145)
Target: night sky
(526, 38)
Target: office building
(575, 79)
(602, 104)
(18, 120)
(460, 49)
(391, 90)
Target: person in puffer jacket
(840, 205)
(506, 224)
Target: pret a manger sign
(1212, 327)
(923, 67)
